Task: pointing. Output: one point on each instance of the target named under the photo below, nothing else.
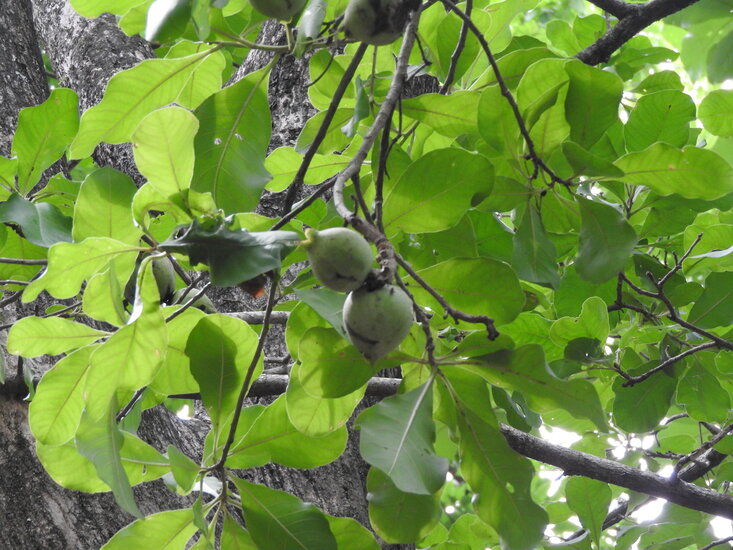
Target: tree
(553, 198)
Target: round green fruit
(377, 22)
(341, 258)
(165, 278)
(377, 321)
(282, 10)
(203, 303)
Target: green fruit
(203, 303)
(377, 321)
(165, 278)
(282, 10)
(377, 22)
(341, 258)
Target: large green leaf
(534, 256)
(317, 416)
(100, 440)
(587, 163)
(174, 375)
(478, 286)
(206, 79)
(715, 307)
(232, 255)
(42, 223)
(43, 134)
(163, 148)
(95, 8)
(591, 105)
(70, 264)
(716, 113)
(397, 516)
(691, 172)
(436, 190)
(130, 95)
(284, 162)
(127, 361)
(34, 336)
(660, 116)
(606, 241)
(271, 437)
(589, 499)
(280, 521)
(103, 207)
(55, 411)
(705, 399)
(232, 142)
(167, 530)
(449, 115)
(640, 408)
(397, 437)
(591, 323)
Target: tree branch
(633, 20)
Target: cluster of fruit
(376, 320)
(374, 22)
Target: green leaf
(163, 149)
(167, 20)
(496, 122)
(271, 437)
(716, 113)
(130, 95)
(525, 370)
(436, 190)
(715, 307)
(99, 441)
(71, 264)
(463, 283)
(470, 529)
(220, 350)
(334, 141)
(95, 8)
(397, 437)
(206, 78)
(660, 116)
(235, 537)
(42, 223)
(534, 256)
(284, 162)
(185, 471)
(174, 375)
(640, 408)
(35, 336)
(587, 163)
(104, 292)
(232, 255)
(327, 303)
(606, 241)
(317, 416)
(280, 521)
(8, 171)
(43, 134)
(397, 516)
(591, 323)
(590, 499)
(691, 172)
(102, 208)
(127, 361)
(591, 105)
(167, 530)
(55, 412)
(449, 115)
(232, 142)
(704, 398)
(331, 366)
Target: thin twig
(703, 448)
(303, 205)
(718, 542)
(188, 304)
(630, 381)
(16, 261)
(456, 55)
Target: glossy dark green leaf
(606, 242)
(534, 255)
(167, 20)
(100, 441)
(41, 223)
(714, 308)
(231, 144)
(397, 437)
(396, 516)
(590, 499)
(37, 143)
(232, 255)
(280, 521)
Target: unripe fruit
(203, 303)
(165, 278)
(282, 10)
(377, 22)
(377, 321)
(341, 258)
